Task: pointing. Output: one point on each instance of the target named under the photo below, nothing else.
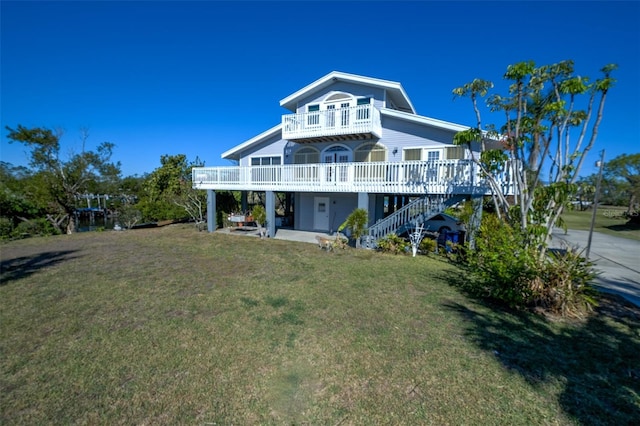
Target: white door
(321, 213)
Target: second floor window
(370, 153)
(265, 161)
(362, 112)
(412, 154)
(306, 156)
(313, 116)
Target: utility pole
(595, 201)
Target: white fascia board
(290, 102)
(233, 153)
(420, 119)
(436, 123)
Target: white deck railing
(359, 119)
(409, 177)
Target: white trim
(421, 119)
(233, 151)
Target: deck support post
(211, 210)
(243, 201)
(363, 201)
(270, 207)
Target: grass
(609, 220)
(172, 326)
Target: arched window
(306, 155)
(338, 97)
(370, 153)
(336, 154)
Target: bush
(35, 227)
(259, 215)
(6, 228)
(509, 271)
(356, 223)
(564, 284)
(503, 262)
(427, 245)
(392, 244)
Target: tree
(624, 170)
(541, 110)
(169, 193)
(357, 224)
(65, 180)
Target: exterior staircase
(416, 212)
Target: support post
(211, 210)
(363, 201)
(270, 207)
(243, 201)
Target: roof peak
(290, 102)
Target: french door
(336, 155)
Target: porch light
(395, 151)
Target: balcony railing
(409, 177)
(357, 120)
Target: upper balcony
(356, 122)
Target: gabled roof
(234, 153)
(394, 90)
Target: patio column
(363, 201)
(211, 210)
(270, 207)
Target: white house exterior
(347, 142)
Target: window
(265, 161)
(362, 109)
(306, 156)
(433, 155)
(412, 154)
(456, 153)
(313, 116)
(370, 153)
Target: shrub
(6, 227)
(563, 286)
(356, 223)
(392, 244)
(503, 262)
(259, 215)
(427, 245)
(35, 227)
(508, 270)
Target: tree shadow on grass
(20, 267)
(597, 360)
(624, 227)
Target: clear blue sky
(198, 78)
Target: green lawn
(172, 326)
(609, 220)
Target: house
(349, 141)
